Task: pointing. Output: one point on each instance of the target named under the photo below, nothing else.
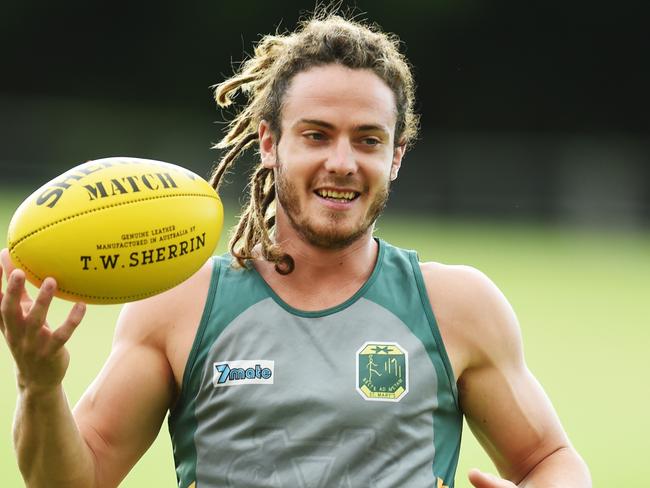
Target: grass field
(582, 300)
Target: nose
(341, 160)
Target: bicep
(504, 404)
(512, 418)
(120, 414)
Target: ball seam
(12, 246)
(56, 222)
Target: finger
(10, 307)
(8, 266)
(5, 262)
(487, 480)
(61, 335)
(37, 311)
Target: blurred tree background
(530, 110)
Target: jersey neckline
(336, 308)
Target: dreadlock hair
(265, 77)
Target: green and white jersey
(359, 395)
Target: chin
(332, 236)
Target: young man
(318, 355)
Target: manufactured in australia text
(146, 256)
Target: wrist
(33, 393)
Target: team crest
(382, 371)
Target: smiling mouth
(337, 196)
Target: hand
(486, 480)
(39, 351)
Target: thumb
(486, 480)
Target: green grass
(581, 297)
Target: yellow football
(116, 230)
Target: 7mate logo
(243, 372)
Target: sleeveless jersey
(358, 395)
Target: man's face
(336, 157)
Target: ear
(398, 154)
(267, 145)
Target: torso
(181, 333)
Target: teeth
(341, 195)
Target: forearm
(51, 452)
(562, 469)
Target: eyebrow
(320, 123)
(358, 128)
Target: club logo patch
(243, 372)
(382, 371)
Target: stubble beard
(330, 236)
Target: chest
(362, 361)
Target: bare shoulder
(476, 321)
(154, 319)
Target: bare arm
(49, 448)
(45, 434)
(504, 405)
(117, 418)
(120, 414)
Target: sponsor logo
(243, 372)
(382, 371)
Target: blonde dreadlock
(264, 79)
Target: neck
(347, 267)
(322, 278)
(355, 259)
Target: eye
(314, 136)
(370, 141)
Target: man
(319, 355)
